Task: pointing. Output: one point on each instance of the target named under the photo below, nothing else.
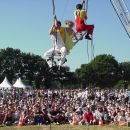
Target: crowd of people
(87, 106)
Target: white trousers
(56, 52)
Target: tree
(102, 71)
(31, 68)
(106, 69)
(63, 78)
(125, 71)
(10, 61)
(15, 63)
(86, 75)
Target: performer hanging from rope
(62, 37)
(59, 46)
(80, 17)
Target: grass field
(64, 127)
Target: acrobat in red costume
(80, 17)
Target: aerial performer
(80, 18)
(62, 42)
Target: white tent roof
(20, 84)
(6, 84)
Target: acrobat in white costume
(58, 49)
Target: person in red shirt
(80, 17)
(88, 117)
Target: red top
(88, 116)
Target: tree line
(103, 71)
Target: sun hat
(69, 22)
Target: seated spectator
(1, 115)
(88, 117)
(79, 113)
(122, 118)
(28, 117)
(54, 115)
(69, 115)
(8, 120)
(75, 119)
(97, 114)
(128, 117)
(107, 118)
(38, 116)
(16, 115)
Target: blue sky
(25, 24)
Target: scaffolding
(123, 14)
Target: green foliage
(122, 84)
(14, 64)
(86, 75)
(102, 71)
(33, 69)
(106, 69)
(125, 70)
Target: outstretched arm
(55, 20)
(53, 28)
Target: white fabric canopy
(6, 84)
(20, 84)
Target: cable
(92, 49)
(55, 42)
(88, 50)
(53, 5)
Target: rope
(93, 46)
(88, 49)
(53, 5)
(92, 49)
(53, 54)
(85, 5)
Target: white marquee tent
(6, 84)
(20, 84)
